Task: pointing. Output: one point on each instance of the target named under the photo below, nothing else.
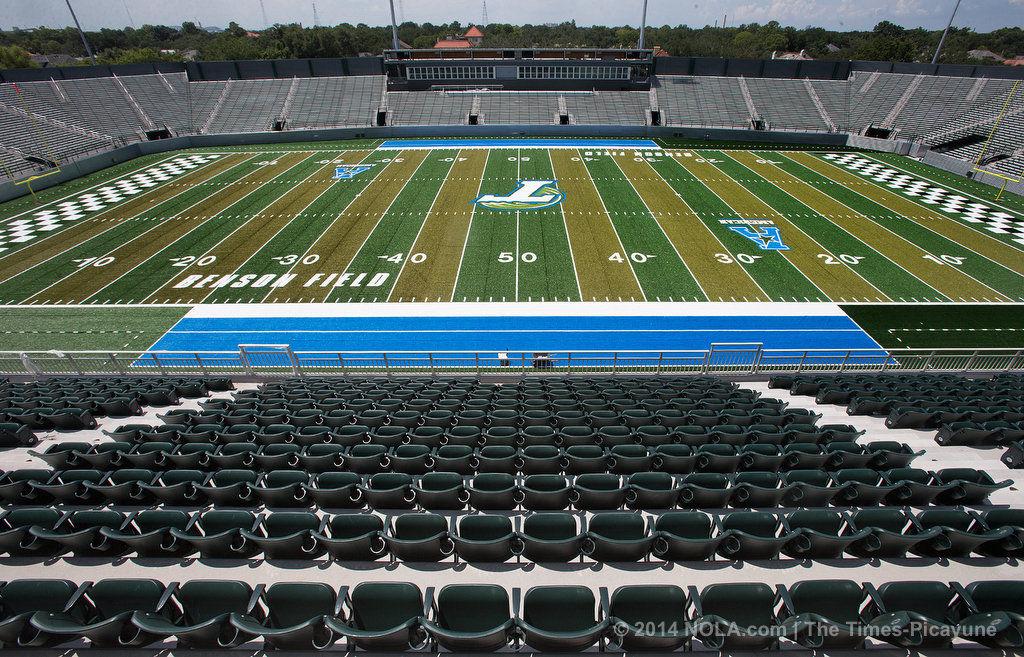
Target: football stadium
(508, 346)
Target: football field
(468, 222)
(433, 221)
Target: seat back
(354, 525)
(550, 526)
(419, 526)
(378, 606)
(217, 521)
(891, 520)
(472, 607)
(837, 600)
(997, 596)
(747, 605)
(29, 595)
(290, 604)
(203, 600)
(152, 520)
(951, 518)
(663, 606)
(329, 480)
(111, 597)
(685, 524)
(286, 523)
(560, 608)
(281, 478)
(485, 527)
(818, 520)
(624, 526)
(930, 599)
(755, 523)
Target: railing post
(243, 357)
(568, 362)
(928, 361)
(294, 360)
(800, 365)
(615, 363)
(156, 359)
(199, 360)
(431, 357)
(706, 365)
(661, 358)
(387, 371)
(476, 358)
(341, 363)
(970, 361)
(112, 357)
(756, 367)
(523, 361)
(846, 359)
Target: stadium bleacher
(439, 476)
(66, 119)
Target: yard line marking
(660, 227)
(314, 241)
(919, 219)
(113, 225)
(797, 228)
(385, 214)
(107, 181)
(151, 229)
(565, 225)
(208, 251)
(841, 228)
(469, 227)
(615, 231)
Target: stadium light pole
(394, 27)
(643, 25)
(942, 41)
(85, 42)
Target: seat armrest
(340, 602)
(428, 601)
(76, 596)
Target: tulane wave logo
(529, 195)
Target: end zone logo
(530, 195)
(761, 232)
(349, 171)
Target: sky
(982, 15)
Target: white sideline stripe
(511, 330)
(528, 309)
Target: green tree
(14, 57)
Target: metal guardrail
(734, 360)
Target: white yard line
(211, 250)
(469, 228)
(146, 232)
(313, 243)
(860, 214)
(565, 226)
(924, 226)
(113, 225)
(608, 216)
(809, 237)
(383, 214)
(150, 258)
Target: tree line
(886, 42)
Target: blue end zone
(516, 334)
(398, 144)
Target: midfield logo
(349, 171)
(530, 195)
(759, 231)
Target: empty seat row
(980, 434)
(417, 458)
(398, 616)
(466, 434)
(498, 491)
(457, 402)
(678, 383)
(934, 416)
(612, 536)
(491, 417)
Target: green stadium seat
(562, 619)
(471, 618)
(296, 617)
(353, 537)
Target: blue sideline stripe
(396, 144)
(514, 334)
